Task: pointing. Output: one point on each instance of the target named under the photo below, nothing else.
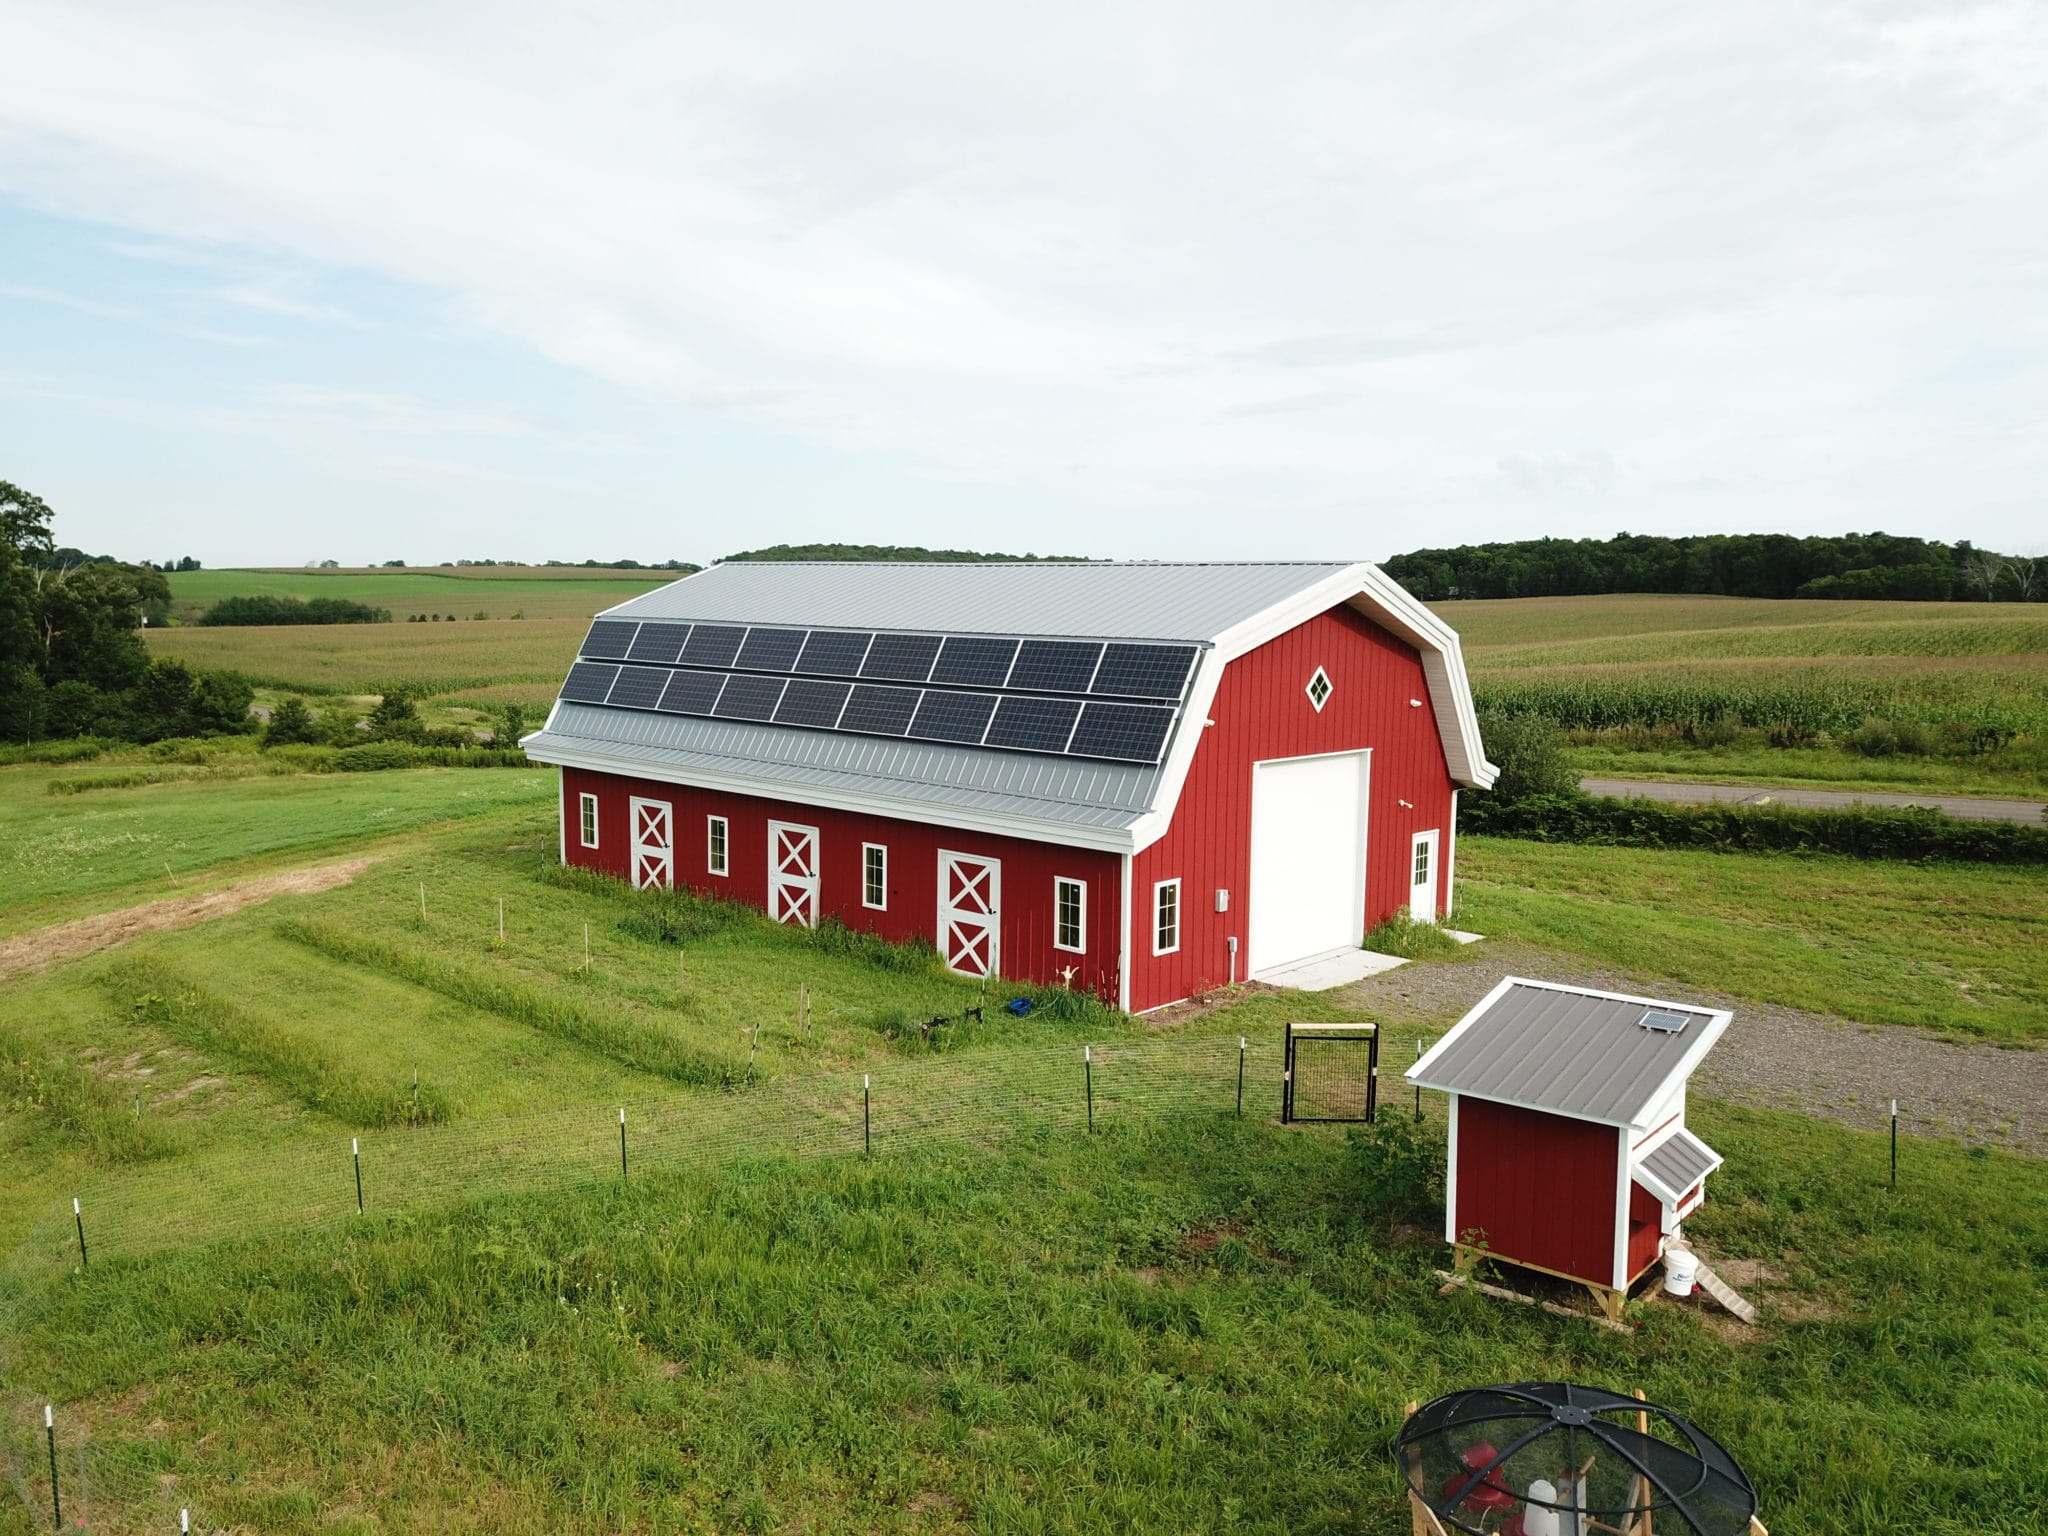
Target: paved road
(1968, 807)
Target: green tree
(290, 723)
(24, 519)
(395, 718)
(510, 727)
(1530, 757)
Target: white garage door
(1308, 857)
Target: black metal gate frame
(1371, 1034)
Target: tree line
(72, 661)
(1851, 565)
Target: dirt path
(1968, 807)
(82, 936)
(1773, 1057)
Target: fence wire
(309, 1182)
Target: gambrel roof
(1043, 700)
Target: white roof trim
(1030, 828)
(1718, 1020)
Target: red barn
(1155, 778)
(1568, 1147)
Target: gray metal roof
(1566, 1050)
(1122, 601)
(1072, 792)
(1679, 1162)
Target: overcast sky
(371, 282)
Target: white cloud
(1507, 266)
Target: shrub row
(630, 1044)
(320, 1080)
(292, 610)
(1869, 832)
(1800, 709)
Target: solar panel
(974, 661)
(1143, 671)
(609, 638)
(749, 698)
(1665, 1022)
(771, 650)
(1129, 733)
(1055, 666)
(638, 688)
(713, 645)
(807, 701)
(834, 652)
(589, 682)
(661, 643)
(901, 658)
(958, 717)
(1028, 724)
(879, 711)
(691, 693)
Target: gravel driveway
(1968, 807)
(1777, 1058)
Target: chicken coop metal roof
(1569, 1051)
(1675, 1164)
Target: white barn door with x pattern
(793, 873)
(970, 913)
(654, 843)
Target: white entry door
(793, 873)
(970, 913)
(1422, 878)
(1308, 857)
(654, 844)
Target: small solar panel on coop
(974, 661)
(691, 693)
(1055, 666)
(589, 682)
(1130, 733)
(660, 643)
(1027, 724)
(958, 717)
(879, 711)
(902, 658)
(713, 645)
(834, 652)
(1664, 1022)
(609, 638)
(749, 698)
(771, 650)
(808, 701)
(638, 688)
(1144, 671)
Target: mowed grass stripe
(634, 1045)
(320, 1079)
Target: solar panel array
(1075, 698)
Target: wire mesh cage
(1553, 1459)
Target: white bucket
(1681, 1269)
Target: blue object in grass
(1019, 1006)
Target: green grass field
(1000, 1321)
(539, 592)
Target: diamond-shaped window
(1319, 689)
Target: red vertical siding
(1262, 711)
(1028, 869)
(1538, 1187)
(1645, 1228)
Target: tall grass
(631, 1044)
(167, 999)
(65, 1103)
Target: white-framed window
(1319, 689)
(1070, 915)
(716, 835)
(874, 876)
(1420, 876)
(587, 806)
(1166, 917)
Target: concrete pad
(1463, 937)
(1331, 969)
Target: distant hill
(883, 552)
(1851, 565)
